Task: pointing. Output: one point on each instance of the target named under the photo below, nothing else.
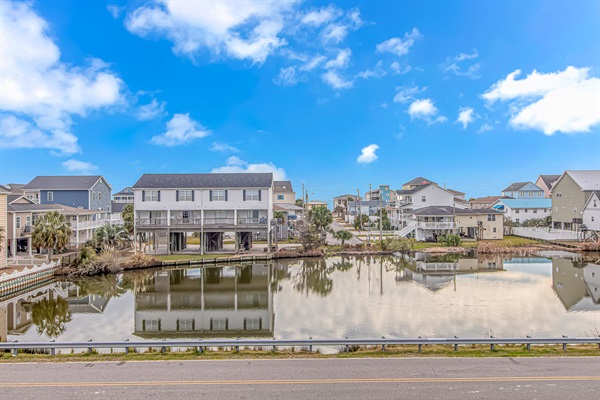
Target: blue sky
(334, 95)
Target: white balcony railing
(89, 224)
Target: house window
(592, 218)
(185, 214)
(594, 203)
(185, 324)
(556, 209)
(99, 196)
(423, 199)
(152, 325)
(494, 230)
(218, 195)
(221, 214)
(281, 197)
(517, 220)
(252, 324)
(251, 195)
(522, 194)
(27, 221)
(219, 324)
(535, 211)
(93, 196)
(18, 222)
(558, 194)
(516, 211)
(526, 210)
(491, 217)
(50, 196)
(151, 195)
(185, 195)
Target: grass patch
(514, 241)
(360, 352)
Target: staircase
(407, 229)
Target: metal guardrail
(201, 344)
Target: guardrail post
(564, 344)
(164, 348)
(237, 348)
(528, 344)
(383, 345)
(274, 347)
(52, 349)
(310, 345)
(347, 346)
(420, 345)
(492, 348)
(455, 344)
(15, 351)
(200, 348)
(126, 348)
(599, 343)
(90, 350)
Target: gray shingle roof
(71, 182)
(515, 186)
(193, 181)
(283, 186)
(117, 207)
(125, 192)
(448, 210)
(413, 191)
(24, 207)
(549, 180)
(418, 181)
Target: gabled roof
(413, 191)
(117, 207)
(549, 180)
(14, 188)
(419, 181)
(345, 196)
(125, 192)
(4, 189)
(526, 203)
(14, 197)
(34, 207)
(597, 193)
(283, 186)
(586, 179)
(488, 199)
(201, 181)
(286, 207)
(69, 182)
(515, 186)
(455, 191)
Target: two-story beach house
(545, 182)
(3, 226)
(570, 194)
(523, 190)
(175, 205)
(119, 201)
(284, 201)
(88, 192)
(521, 210)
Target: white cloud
(376, 72)
(224, 148)
(485, 128)
(458, 65)
(235, 164)
(321, 16)
(152, 110)
(40, 94)
(287, 76)
(466, 115)
(340, 61)
(242, 29)
(367, 154)
(181, 129)
(397, 69)
(81, 167)
(399, 46)
(565, 101)
(404, 94)
(425, 109)
(114, 10)
(333, 79)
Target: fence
(346, 343)
(546, 234)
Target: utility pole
(357, 202)
(370, 199)
(380, 219)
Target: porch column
(77, 229)
(168, 217)
(13, 248)
(235, 219)
(201, 232)
(29, 244)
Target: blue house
(524, 190)
(87, 192)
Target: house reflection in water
(577, 285)
(435, 272)
(218, 302)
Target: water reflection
(357, 296)
(200, 302)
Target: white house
(521, 210)
(591, 212)
(210, 204)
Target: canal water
(357, 297)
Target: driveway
(335, 226)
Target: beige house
(570, 193)
(485, 202)
(342, 201)
(315, 203)
(546, 182)
(3, 226)
(484, 224)
(283, 193)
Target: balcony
(196, 222)
(437, 225)
(89, 224)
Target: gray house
(88, 192)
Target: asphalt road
(399, 378)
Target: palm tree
(111, 235)
(51, 232)
(339, 210)
(320, 218)
(127, 216)
(51, 316)
(342, 235)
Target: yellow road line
(303, 381)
